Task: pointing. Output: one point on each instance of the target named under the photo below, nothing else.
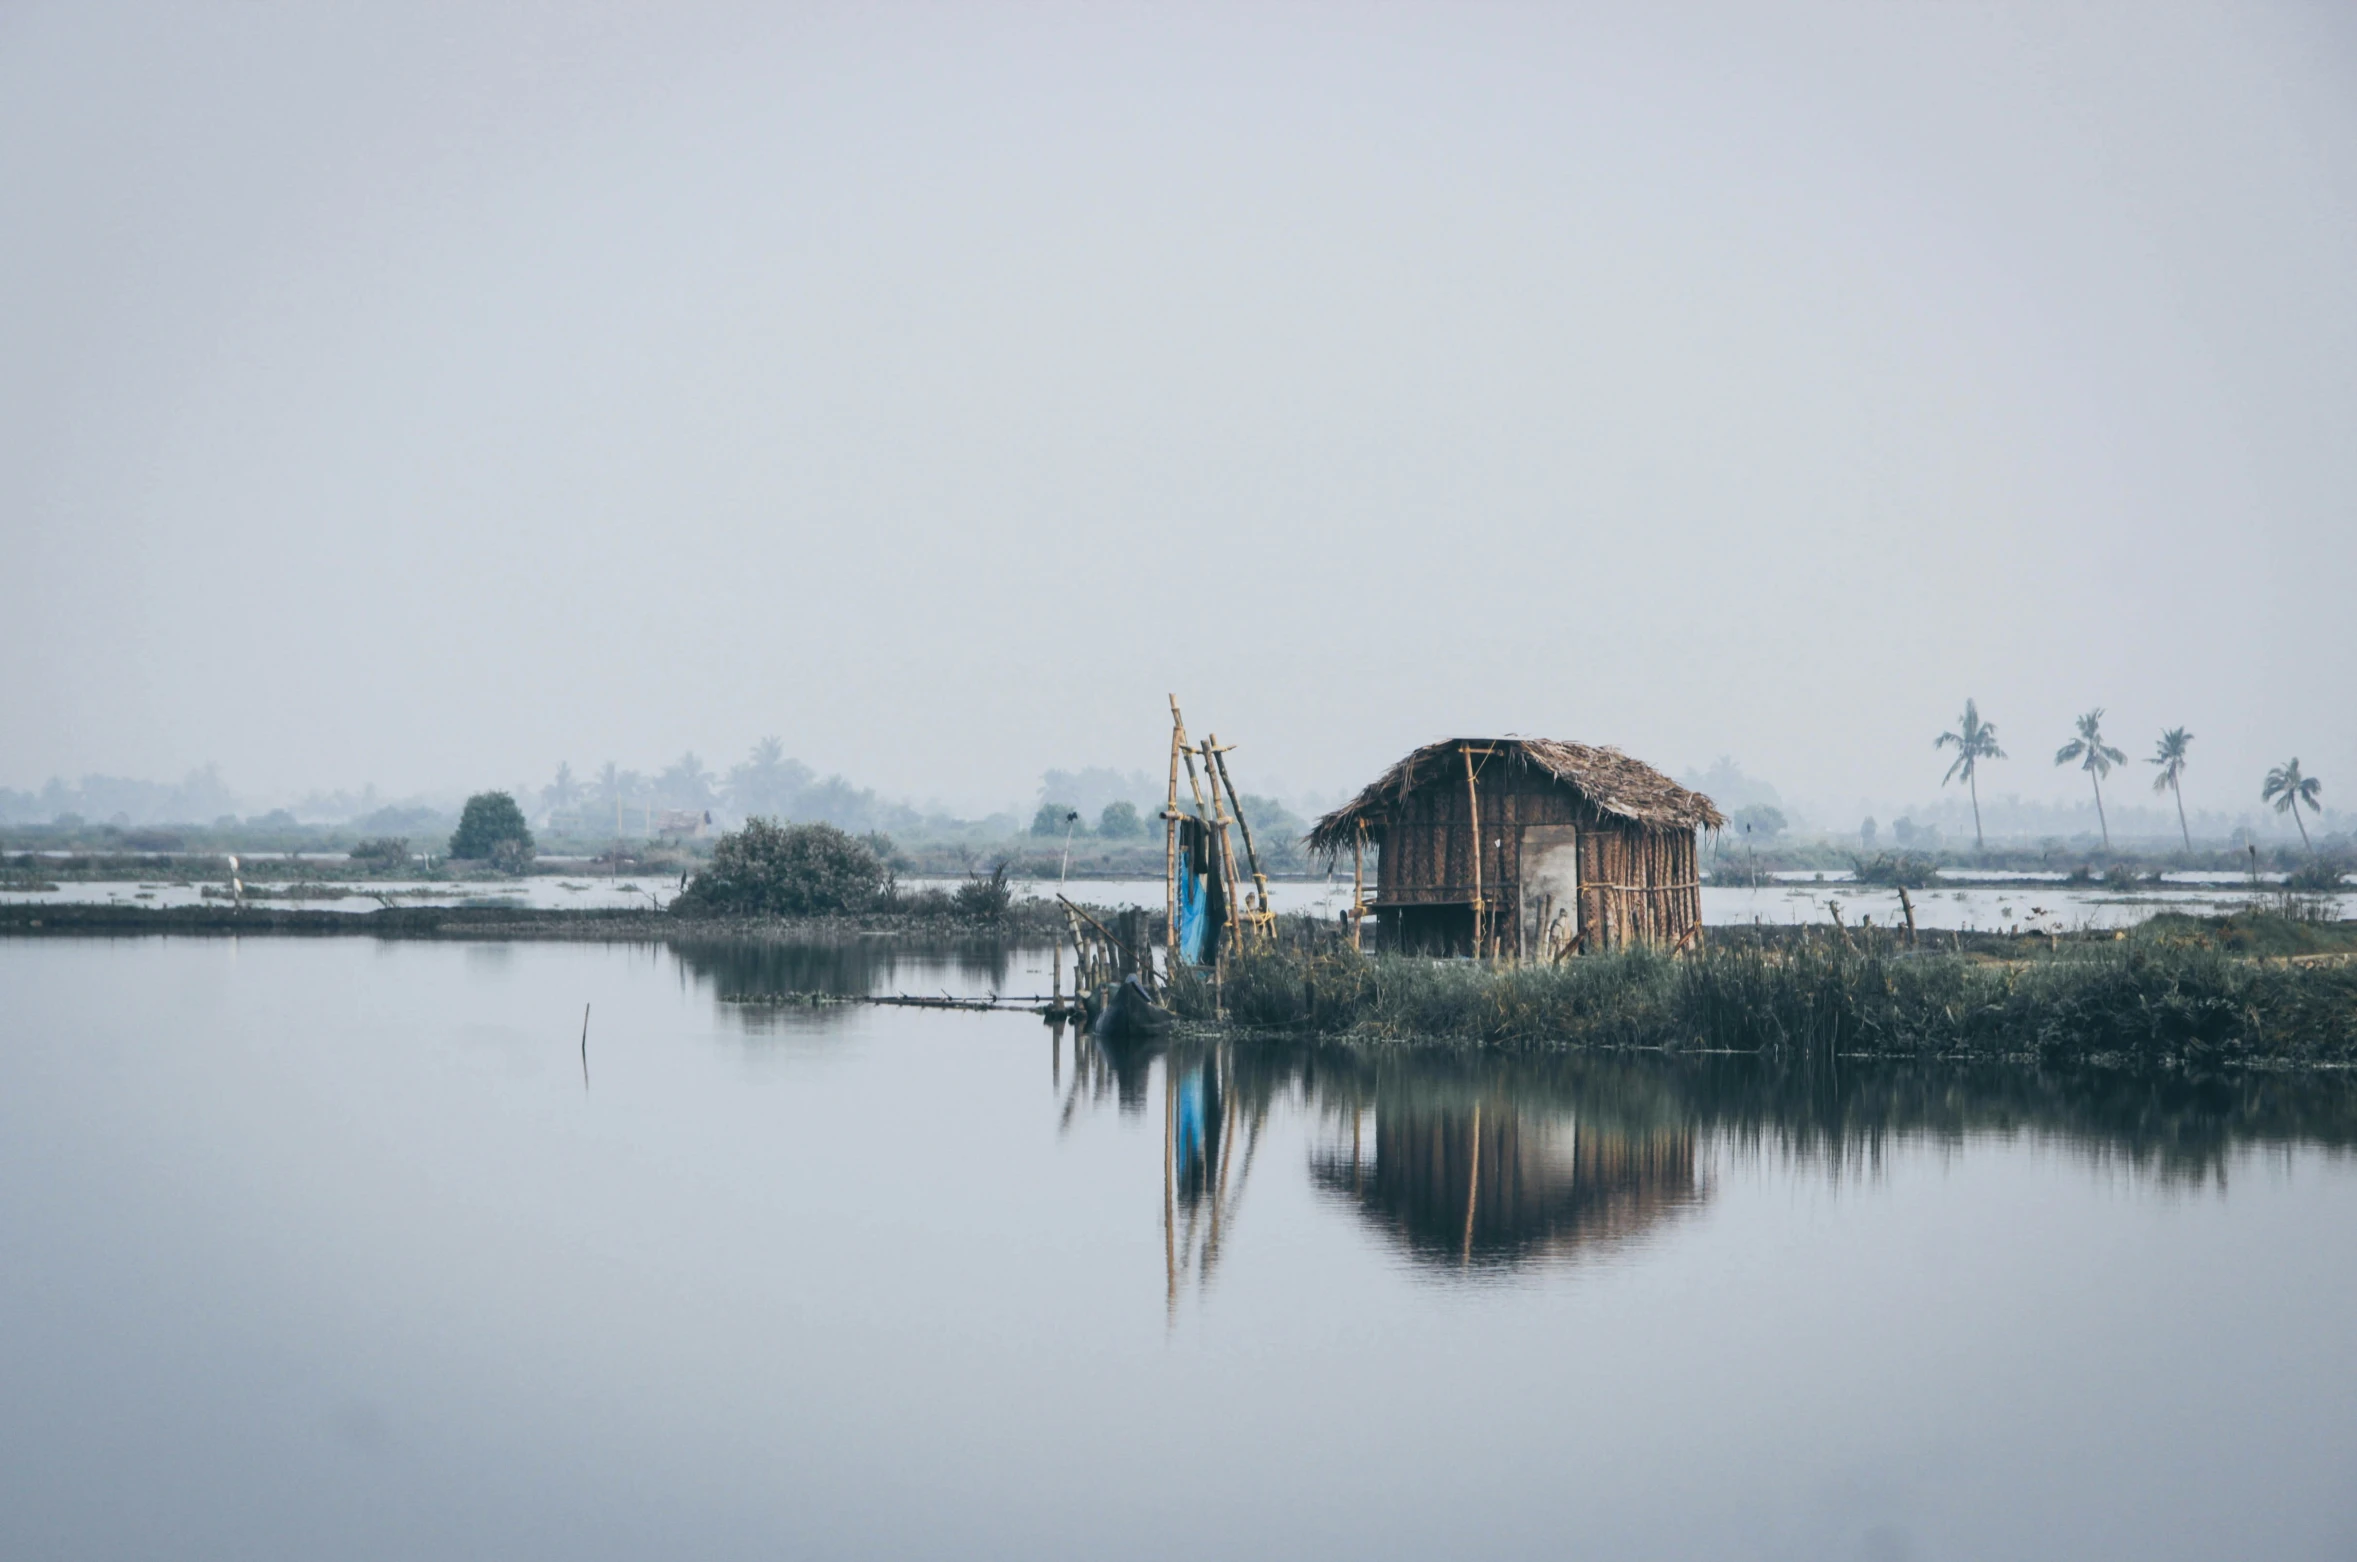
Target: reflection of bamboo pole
(1472, 1188)
(1169, 1208)
(1227, 1136)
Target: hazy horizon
(421, 398)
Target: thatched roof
(1606, 777)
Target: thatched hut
(1528, 847)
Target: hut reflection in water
(1488, 1182)
(1481, 1163)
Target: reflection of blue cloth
(1190, 1121)
(1194, 911)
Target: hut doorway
(1549, 889)
(1443, 931)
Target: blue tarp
(1194, 918)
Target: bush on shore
(492, 830)
(385, 851)
(788, 870)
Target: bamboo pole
(1226, 850)
(1358, 887)
(1473, 814)
(1170, 840)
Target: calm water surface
(323, 1249)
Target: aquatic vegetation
(982, 897)
(2186, 994)
(2321, 876)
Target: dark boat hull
(1122, 1011)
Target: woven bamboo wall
(1637, 885)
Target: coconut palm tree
(2287, 789)
(2096, 757)
(2170, 756)
(1974, 740)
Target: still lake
(323, 1248)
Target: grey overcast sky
(425, 394)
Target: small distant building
(1526, 847)
(685, 824)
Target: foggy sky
(425, 395)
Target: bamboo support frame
(1261, 916)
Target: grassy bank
(1029, 922)
(2180, 992)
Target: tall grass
(2145, 1001)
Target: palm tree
(2096, 757)
(1974, 741)
(2170, 756)
(2287, 789)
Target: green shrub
(986, 897)
(383, 851)
(787, 870)
(1897, 871)
(492, 829)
